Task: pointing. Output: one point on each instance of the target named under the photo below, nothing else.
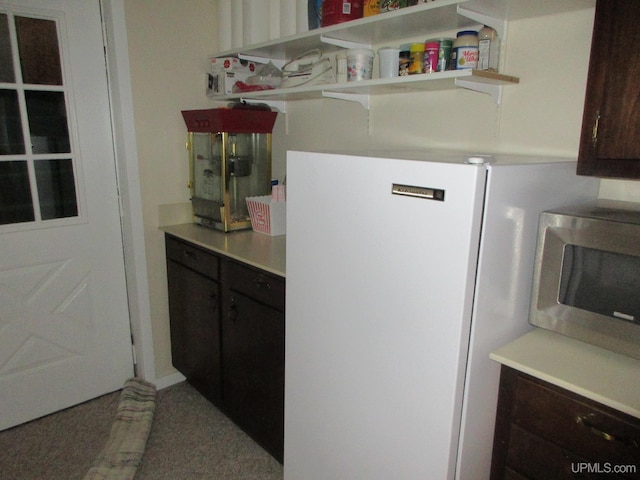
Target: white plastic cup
(359, 64)
(389, 61)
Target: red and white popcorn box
(267, 216)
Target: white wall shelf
(485, 82)
(427, 20)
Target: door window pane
(6, 59)
(15, 193)
(39, 53)
(56, 188)
(11, 139)
(34, 187)
(47, 122)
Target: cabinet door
(253, 359)
(195, 329)
(610, 140)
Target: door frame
(126, 158)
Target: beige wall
(169, 46)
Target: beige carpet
(189, 440)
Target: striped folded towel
(122, 454)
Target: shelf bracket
(360, 98)
(494, 90)
(279, 105)
(499, 25)
(343, 43)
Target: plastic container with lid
(465, 50)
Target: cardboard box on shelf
(222, 82)
(232, 64)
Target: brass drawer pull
(594, 132)
(585, 420)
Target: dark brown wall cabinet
(544, 432)
(610, 139)
(227, 337)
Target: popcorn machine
(229, 160)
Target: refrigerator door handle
(420, 192)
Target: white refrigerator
(403, 274)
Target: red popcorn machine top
(229, 160)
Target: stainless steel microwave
(586, 281)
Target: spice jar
(431, 51)
(465, 50)
(489, 49)
(404, 60)
(416, 64)
(444, 54)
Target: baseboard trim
(169, 380)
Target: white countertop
(256, 249)
(590, 371)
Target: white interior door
(64, 320)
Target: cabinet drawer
(595, 432)
(193, 257)
(538, 459)
(257, 284)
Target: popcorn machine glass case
(229, 160)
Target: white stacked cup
(389, 61)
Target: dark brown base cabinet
(227, 337)
(544, 432)
(194, 312)
(253, 353)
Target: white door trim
(129, 186)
